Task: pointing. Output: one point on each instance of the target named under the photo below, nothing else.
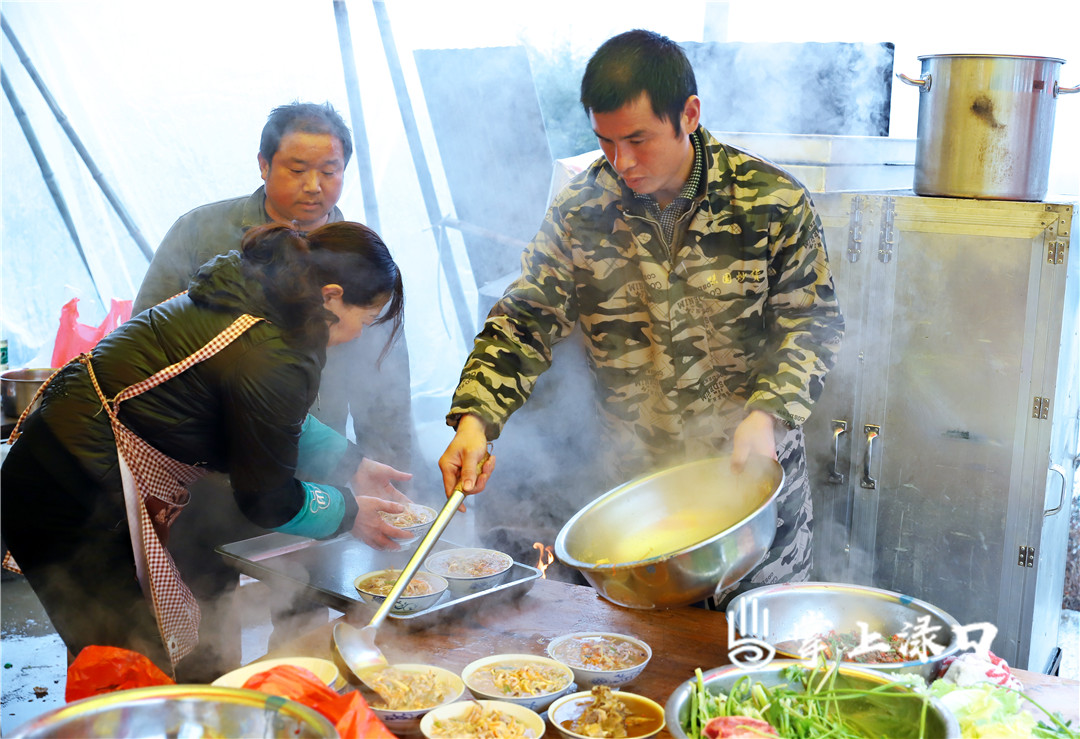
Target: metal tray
(325, 570)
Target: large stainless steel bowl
(880, 715)
(799, 612)
(676, 536)
(181, 711)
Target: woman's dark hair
(293, 269)
(635, 62)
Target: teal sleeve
(321, 450)
(321, 515)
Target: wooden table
(682, 639)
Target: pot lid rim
(994, 56)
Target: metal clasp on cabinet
(855, 230)
(888, 235)
(836, 477)
(872, 432)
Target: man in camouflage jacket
(699, 279)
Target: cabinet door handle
(1061, 501)
(836, 477)
(872, 432)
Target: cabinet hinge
(887, 238)
(1040, 408)
(854, 248)
(1055, 252)
(1027, 557)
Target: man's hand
(753, 435)
(463, 456)
(370, 527)
(376, 479)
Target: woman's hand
(377, 480)
(753, 435)
(463, 456)
(370, 527)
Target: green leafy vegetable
(813, 704)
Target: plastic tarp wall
(170, 99)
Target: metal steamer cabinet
(942, 451)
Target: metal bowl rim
(803, 587)
(560, 540)
(234, 696)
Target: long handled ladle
(357, 646)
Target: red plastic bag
(100, 670)
(74, 338)
(350, 713)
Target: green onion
(821, 710)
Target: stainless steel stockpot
(986, 125)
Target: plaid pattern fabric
(159, 476)
(682, 202)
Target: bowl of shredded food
(855, 624)
(415, 519)
(470, 570)
(786, 698)
(603, 712)
(484, 718)
(601, 658)
(404, 693)
(524, 679)
(422, 591)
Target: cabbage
(987, 711)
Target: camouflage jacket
(739, 314)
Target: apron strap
(212, 347)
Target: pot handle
(1059, 90)
(923, 83)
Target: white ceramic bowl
(406, 603)
(522, 715)
(406, 721)
(417, 530)
(324, 669)
(472, 672)
(562, 649)
(453, 564)
(568, 707)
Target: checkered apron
(151, 477)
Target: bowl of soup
(402, 694)
(482, 718)
(600, 657)
(523, 679)
(470, 570)
(416, 519)
(422, 592)
(602, 711)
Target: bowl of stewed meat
(600, 657)
(470, 570)
(422, 592)
(603, 712)
(524, 679)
